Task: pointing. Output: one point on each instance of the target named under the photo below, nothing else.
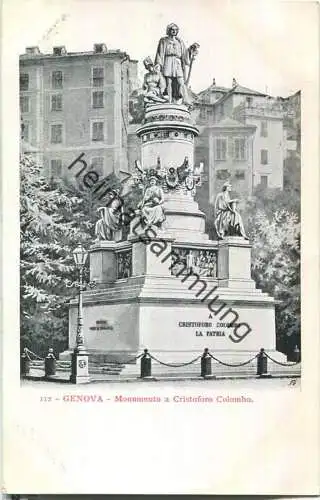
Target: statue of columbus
(173, 57)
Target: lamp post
(80, 358)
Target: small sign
(101, 324)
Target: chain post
(262, 363)
(50, 364)
(296, 354)
(206, 369)
(145, 364)
(24, 363)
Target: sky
(264, 44)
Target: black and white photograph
(160, 225)
(159, 182)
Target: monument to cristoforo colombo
(168, 287)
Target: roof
(239, 89)
(213, 88)
(109, 54)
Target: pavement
(194, 383)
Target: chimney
(234, 82)
(214, 82)
(100, 48)
(59, 51)
(33, 51)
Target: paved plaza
(248, 383)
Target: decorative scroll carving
(167, 135)
(197, 261)
(182, 178)
(124, 264)
(166, 117)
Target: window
(59, 51)
(222, 175)
(57, 79)
(264, 129)
(264, 157)
(56, 102)
(249, 101)
(24, 81)
(99, 48)
(26, 131)
(203, 113)
(56, 134)
(221, 149)
(240, 148)
(264, 181)
(97, 77)
(97, 165)
(97, 99)
(56, 168)
(221, 110)
(24, 104)
(240, 174)
(97, 131)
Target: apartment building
(77, 102)
(242, 139)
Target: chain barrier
(282, 364)
(27, 354)
(233, 365)
(127, 361)
(62, 363)
(27, 351)
(174, 365)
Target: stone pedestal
(103, 262)
(234, 263)
(141, 304)
(79, 367)
(167, 132)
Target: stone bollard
(50, 364)
(206, 363)
(262, 363)
(145, 365)
(24, 363)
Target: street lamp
(80, 256)
(80, 358)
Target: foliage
(136, 106)
(52, 224)
(274, 230)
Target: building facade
(76, 104)
(270, 138)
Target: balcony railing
(273, 109)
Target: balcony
(266, 110)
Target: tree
(52, 223)
(276, 269)
(136, 106)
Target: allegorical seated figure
(108, 227)
(151, 206)
(154, 83)
(228, 221)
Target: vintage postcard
(161, 234)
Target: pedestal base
(79, 367)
